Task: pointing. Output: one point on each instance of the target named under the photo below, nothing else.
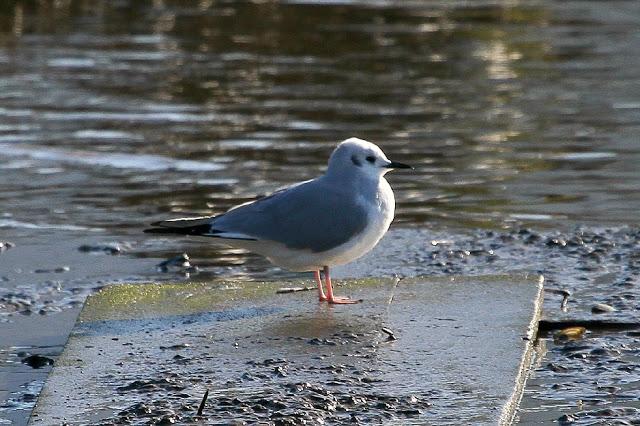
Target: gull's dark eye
(371, 159)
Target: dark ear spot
(355, 161)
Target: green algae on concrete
(145, 352)
(135, 301)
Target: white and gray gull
(327, 221)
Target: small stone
(176, 347)
(411, 399)
(180, 263)
(602, 308)
(556, 242)
(570, 333)
(37, 361)
(111, 248)
(6, 245)
(167, 420)
(280, 371)
(557, 368)
(566, 419)
(389, 333)
(384, 406)
(410, 412)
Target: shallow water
(115, 114)
(521, 112)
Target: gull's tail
(202, 226)
(184, 226)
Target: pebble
(602, 308)
(556, 242)
(180, 263)
(37, 361)
(6, 245)
(389, 333)
(57, 270)
(570, 333)
(167, 420)
(571, 251)
(176, 347)
(110, 248)
(566, 419)
(557, 368)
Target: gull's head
(361, 157)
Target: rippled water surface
(522, 111)
(117, 113)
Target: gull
(313, 225)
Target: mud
(274, 391)
(583, 267)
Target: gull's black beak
(396, 165)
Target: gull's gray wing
(311, 215)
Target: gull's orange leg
(330, 297)
(321, 295)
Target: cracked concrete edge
(510, 408)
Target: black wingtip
(203, 229)
(161, 230)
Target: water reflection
(494, 101)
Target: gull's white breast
(380, 212)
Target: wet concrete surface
(148, 353)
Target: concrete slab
(147, 353)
